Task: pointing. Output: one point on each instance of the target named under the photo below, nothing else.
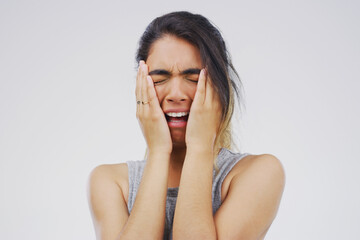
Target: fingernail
(205, 72)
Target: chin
(178, 140)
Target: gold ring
(144, 103)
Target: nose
(176, 91)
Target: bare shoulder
(259, 168)
(111, 174)
(107, 195)
(255, 188)
(264, 164)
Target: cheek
(160, 93)
(192, 91)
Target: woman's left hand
(204, 117)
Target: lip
(180, 124)
(177, 110)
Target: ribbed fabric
(226, 161)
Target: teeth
(177, 114)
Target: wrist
(158, 153)
(203, 150)
(159, 148)
(199, 145)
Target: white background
(67, 104)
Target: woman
(190, 186)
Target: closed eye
(157, 82)
(192, 78)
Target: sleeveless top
(225, 161)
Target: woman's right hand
(150, 115)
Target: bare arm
(254, 193)
(253, 199)
(247, 211)
(108, 206)
(147, 218)
(193, 215)
(106, 201)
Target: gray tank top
(226, 161)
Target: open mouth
(177, 117)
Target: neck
(177, 158)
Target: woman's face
(174, 65)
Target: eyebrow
(167, 73)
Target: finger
(151, 93)
(138, 88)
(201, 87)
(210, 91)
(212, 100)
(144, 74)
